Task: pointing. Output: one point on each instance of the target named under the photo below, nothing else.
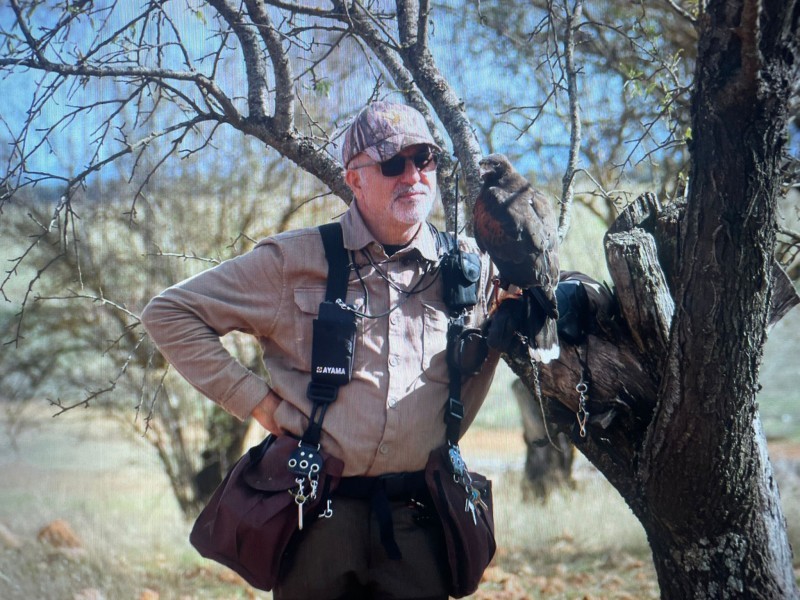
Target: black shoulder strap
(338, 271)
(447, 241)
(460, 277)
(333, 334)
(454, 409)
(336, 253)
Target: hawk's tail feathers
(544, 344)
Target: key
(300, 499)
(471, 508)
(474, 495)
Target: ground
(86, 514)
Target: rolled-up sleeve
(187, 320)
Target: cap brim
(392, 146)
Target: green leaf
(323, 87)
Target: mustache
(410, 189)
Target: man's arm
(187, 320)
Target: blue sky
(478, 82)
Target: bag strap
(336, 253)
(322, 394)
(446, 240)
(454, 409)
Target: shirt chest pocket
(434, 342)
(307, 301)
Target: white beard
(413, 210)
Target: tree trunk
(706, 499)
(672, 358)
(734, 547)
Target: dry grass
(111, 491)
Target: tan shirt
(391, 415)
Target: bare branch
(573, 16)
(60, 222)
(284, 98)
(185, 256)
(257, 88)
(440, 94)
(29, 38)
(95, 299)
(93, 395)
(682, 11)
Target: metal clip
(327, 513)
(582, 415)
(458, 467)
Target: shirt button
(392, 402)
(384, 449)
(394, 319)
(393, 361)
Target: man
(390, 416)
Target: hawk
(515, 224)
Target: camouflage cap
(383, 129)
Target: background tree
(80, 345)
(548, 456)
(688, 406)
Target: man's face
(393, 204)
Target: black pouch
(460, 274)
(333, 345)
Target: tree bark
(707, 501)
(704, 468)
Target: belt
(396, 486)
(380, 490)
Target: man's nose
(411, 173)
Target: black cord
(393, 285)
(415, 289)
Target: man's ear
(353, 180)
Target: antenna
(455, 210)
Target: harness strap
(322, 394)
(380, 491)
(454, 410)
(338, 268)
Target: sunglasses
(424, 161)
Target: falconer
(386, 421)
